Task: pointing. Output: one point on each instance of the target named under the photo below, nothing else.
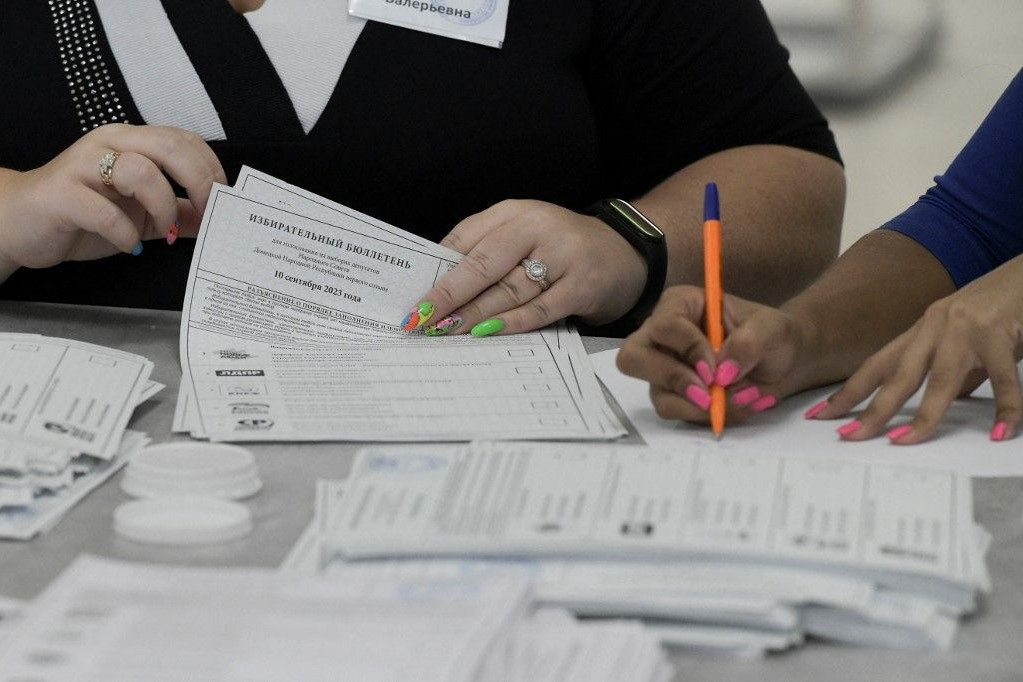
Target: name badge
(476, 21)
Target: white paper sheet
(68, 393)
(24, 523)
(289, 333)
(908, 528)
(735, 609)
(145, 622)
(962, 442)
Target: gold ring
(106, 168)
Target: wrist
(816, 355)
(647, 242)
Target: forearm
(875, 291)
(7, 266)
(781, 208)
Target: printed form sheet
(289, 332)
(508, 499)
(108, 620)
(68, 394)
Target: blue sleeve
(972, 218)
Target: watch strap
(645, 237)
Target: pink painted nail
(849, 428)
(998, 432)
(172, 234)
(703, 369)
(726, 373)
(765, 403)
(698, 396)
(899, 431)
(815, 410)
(745, 396)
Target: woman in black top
(587, 99)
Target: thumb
(762, 342)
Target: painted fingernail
(703, 370)
(745, 396)
(998, 432)
(899, 431)
(846, 429)
(418, 316)
(815, 410)
(697, 396)
(449, 324)
(765, 403)
(137, 249)
(487, 327)
(172, 234)
(726, 373)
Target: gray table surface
(989, 646)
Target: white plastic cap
(182, 521)
(192, 469)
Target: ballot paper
(145, 622)
(68, 394)
(962, 441)
(738, 609)
(906, 529)
(64, 406)
(552, 646)
(289, 332)
(42, 511)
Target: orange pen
(712, 287)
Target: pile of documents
(107, 620)
(733, 552)
(64, 406)
(290, 332)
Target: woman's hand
(592, 271)
(760, 363)
(64, 210)
(962, 339)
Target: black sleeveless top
(587, 98)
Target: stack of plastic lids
(187, 492)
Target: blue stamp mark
(407, 463)
(476, 16)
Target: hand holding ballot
(591, 271)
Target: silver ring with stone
(106, 168)
(536, 271)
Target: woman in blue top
(936, 295)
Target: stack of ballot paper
(290, 331)
(64, 406)
(735, 552)
(108, 620)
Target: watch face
(636, 220)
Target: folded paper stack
(64, 406)
(736, 552)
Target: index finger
(497, 254)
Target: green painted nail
(426, 311)
(488, 327)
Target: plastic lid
(182, 521)
(192, 469)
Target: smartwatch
(645, 237)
